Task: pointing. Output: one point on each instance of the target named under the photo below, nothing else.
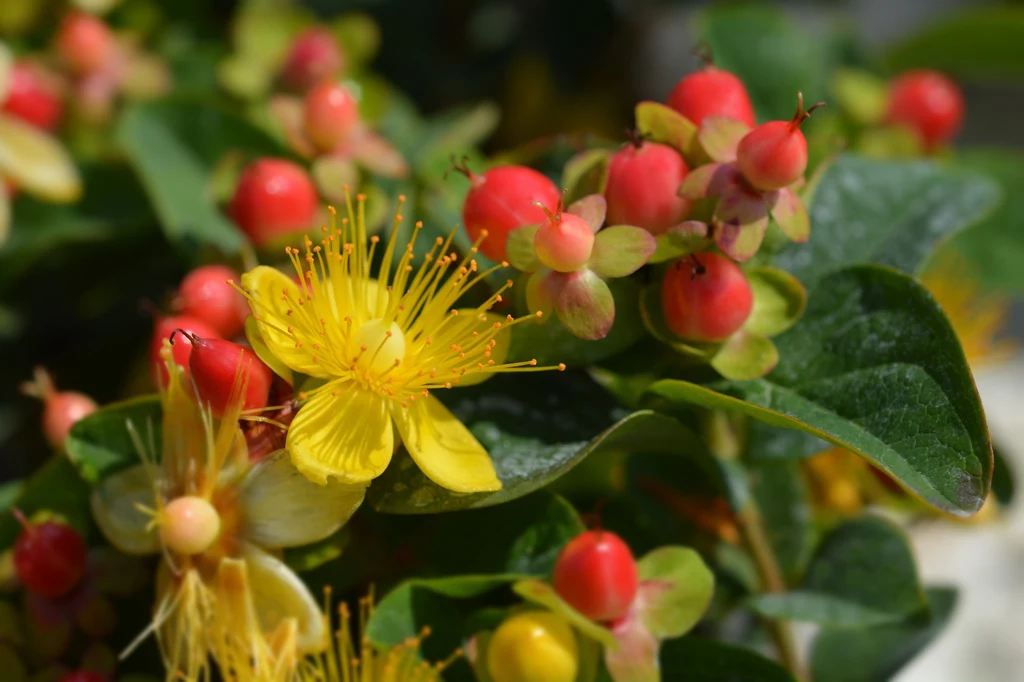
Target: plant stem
(771, 580)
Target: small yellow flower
(219, 520)
(379, 352)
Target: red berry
(206, 295)
(774, 154)
(712, 92)
(501, 200)
(330, 112)
(597, 575)
(32, 97)
(643, 187)
(61, 408)
(49, 558)
(215, 364)
(83, 676)
(84, 43)
(706, 297)
(929, 103)
(181, 349)
(564, 242)
(314, 57)
(274, 197)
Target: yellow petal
(469, 321)
(279, 594)
(114, 508)
(262, 350)
(342, 432)
(283, 508)
(37, 162)
(267, 286)
(443, 447)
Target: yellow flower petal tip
(383, 346)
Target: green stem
(772, 582)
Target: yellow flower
(219, 521)
(379, 352)
(978, 318)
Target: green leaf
(536, 429)
(779, 301)
(992, 250)
(681, 240)
(585, 305)
(1004, 486)
(317, 554)
(544, 594)
(861, 94)
(771, 55)
(453, 130)
(55, 487)
(174, 146)
(696, 659)
(101, 443)
(781, 494)
(585, 173)
(677, 588)
(663, 124)
(887, 212)
(549, 342)
(520, 250)
(873, 366)
(877, 654)
(862, 575)
(979, 41)
(745, 355)
(621, 250)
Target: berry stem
(460, 166)
(40, 387)
(188, 335)
(635, 137)
(22, 520)
(801, 114)
(705, 57)
(698, 267)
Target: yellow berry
(189, 525)
(533, 647)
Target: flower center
(189, 525)
(379, 346)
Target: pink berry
(84, 43)
(314, 57)
(706, 298)
(274, 197)
(564, 242)
(61, 409)
(929, 103)
(189, 525)
(643, 187)
(32, 97)
(712, 92)
(774, 154)
(83, 676)
(500, 200)
(205, 294)
(330, 113)
(216, 365)
(597, 575)
(49, 558)
(181, 349)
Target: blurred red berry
(330, 113)
(274, 197)
(61, 409)
(32, 96)
(927, 102)
(643, 187)
(84, 43)
(314, 57)
(49, 558)
(83, 676)
(206, 295)
(712, 92)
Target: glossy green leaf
(696, 659)
(873, 366)
(55, 487)
(585, 306)
(990, 252)
(173, 146)
(877, 654)
(681, 240)
(532, 430)
(720, 135)
(520, 251)
(773, 56)
(676, 588)
(779, 301)
(781, 495)
(621, 250)
(978, 41)
(863, 574)
(550, 343)
(101, 443)
(745, 355)
(887, 212)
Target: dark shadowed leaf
(101, 444)
(696, 659)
